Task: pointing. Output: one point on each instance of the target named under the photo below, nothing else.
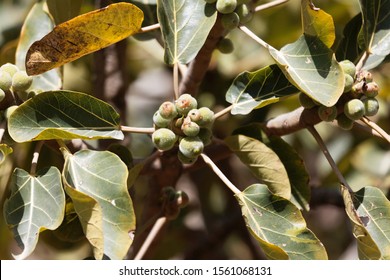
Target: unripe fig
(186, 160)
(185, 103)
(9, 111)
(2, 95)
(348, 83)
(10, 68)
(167, 110)
(371, 106)
(371, 89)
(225, 45)
(244, 12)
(159, 121)
(226, 6)
(348, 67)
(344, 122)
(21, 81)
(5, 80)
(205, 135)
(164, 139)
(206, 117)
(327, 114)
(191, 147)
(354, 109)
(306, 101)
(190, 128)
(230, 21)
(194, 115)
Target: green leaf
(253, 90)
(36, 25)
(262, 161)
(278, 225)
(4, 152)
(63, 10)
(83, 35)
(36, 203)
(99, 177)
(64, 115)
(369, 211)
(311, 66)
(293, 163)
(375, 31)
(348, 47)
(185, 25)
(317, 23)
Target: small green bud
(206, 117)
(354, 109)
(2, 95)
(5, 80)
(225, 45)
(230, 21)
(306, 101)
(348, 67)
(194, 115)
(185, 103)
(327, 114)
(226, 6)
(344, 122)
(190, 128)
(186, 160)
(21, 81)
(191, 147)
(164, 139)
(10, 68)
(348, 83)
(244, 12)
(160, 121)
(371, 106)
(167, 110)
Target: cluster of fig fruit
(181, 122)
(15, 82)
(361, 91)
(233, 13)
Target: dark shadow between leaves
(320, 54)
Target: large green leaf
(64, 115)
(317, 23)
(376, 30)
(185, 25)
(253, 90)
(36, 203)
(36, 25)
(348, 47)
(311, 66)
(293, 163)
(278, 225)
(262, 161)
(101, 176)
(369, 211)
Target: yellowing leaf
(82, 35)
(317, 23)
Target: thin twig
(270, 5)
(143, 130)
(362, 60)
(220, 174)
(151, 236)
(248, 32)
(150, 28)
(35, 158)
(176, 80)
(328, 156)
(376, 128)
(223, 112)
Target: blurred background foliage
(211, 227)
